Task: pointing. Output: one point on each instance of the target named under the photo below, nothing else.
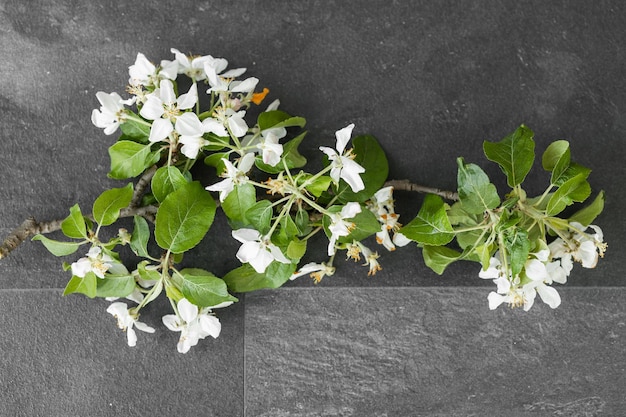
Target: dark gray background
(431, 80)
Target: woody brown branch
(406, 185)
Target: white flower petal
(343, 136)
(161, 129)
(549, 295)
(186, 310)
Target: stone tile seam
(431, 287)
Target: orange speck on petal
(257, 98)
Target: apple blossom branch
(31, 227)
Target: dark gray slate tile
(433, 352)
(64, 356)
(425, 78)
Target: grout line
(244, 356)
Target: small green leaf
(431, 226)
(135, 130)
(184, 217)
(246, 279)
(319, 185)
(129, 159)
(106, 208)
(556, 159)
(238, 202)
(166, 180)
(278, 118)
(140, 236)
(296, 249)
(588, 214)
(203, 288)
(438, 258)
(476, 193)
(115, 286)
(518, 247)
(58, 248)
(86, 285)
(515, 154)
(74, 225)
(570, 172)
(576, 189)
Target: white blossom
(190, 129)
(193, 324)
(233, 175)
(339, 226)
(316, 270)
(111, 112)
(145, 73)
(342, 164)
(126, 321)
(257, 250)
(95, 261)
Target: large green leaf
(129, 159)
(135, 130)
(246, 279)
(203, 288)
(371, 156)
(476, 193)
(166, 180)
(431, 226)
(260, 216)
(106, 208)
(515, 154)
(184, 217)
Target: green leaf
(115, 286)
(278, 118)
(438, 258)
(135, 130)
(576, 189)
(106, 208)
(518, 247)
(556, 159)
(570, 172)
(166, 180)
(296, 249)
(86, 285)
(246, 279)
(291, 156)
(319, 185)
(129, 159)
(288, 230)
(431, 226)
(203, 288)
(588, 214)
(260, 215)
(371, 156)
(476, 193)
(515, 154)
(238, 202)
(57, 248)
(302, 222)
(139, 238)
(74, 225)
(184, 217)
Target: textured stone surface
(430, 80)
(64, 356)
(433, 352)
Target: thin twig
(31, 227)
(406, 185)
